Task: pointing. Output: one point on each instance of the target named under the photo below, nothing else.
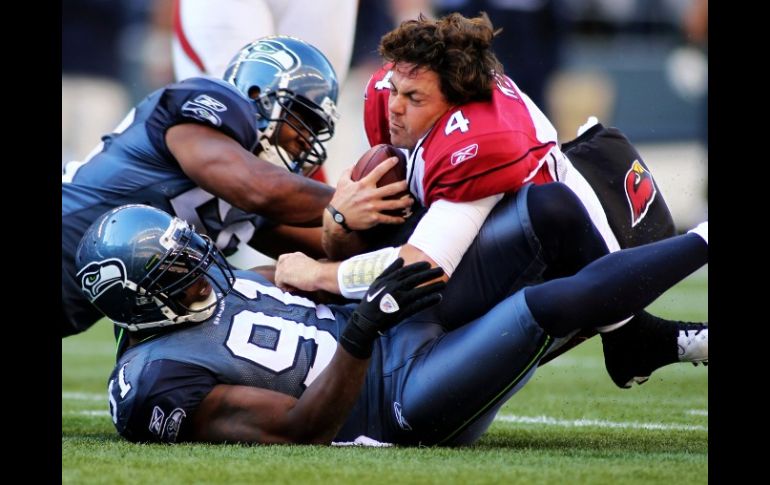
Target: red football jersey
(376, 106)
(473, 151)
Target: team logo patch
(640, 191)
(172, 425)
(388, 304)
(203, 108)
(100, 276)
(464, 154)
(383, 83)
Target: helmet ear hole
(254, 92)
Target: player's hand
(392, 297)
(363, 203)
(297, 271)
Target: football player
(472, 137)
(217, 355)
(215, 152)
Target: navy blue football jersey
(134, 165)
(423, 385)
(258, 336)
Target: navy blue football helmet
(135, 262)
(296, 85)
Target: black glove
(391, 298)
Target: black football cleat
(635, 350)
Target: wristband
(358, 337)
(338, 217)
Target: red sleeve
(376, 107)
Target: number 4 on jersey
(456, 122)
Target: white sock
(591, 121)
(613, 326)
(702, 230)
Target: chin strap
(269, 152)
(203, 307)
(199, 311)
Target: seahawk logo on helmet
(274, 54)
(100, 276)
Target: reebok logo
(400, 419)
(156, 421)
(464, 154)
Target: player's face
(415, 104)
(291, 140)
(294, 137)
(198, 291)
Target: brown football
(375, 156)
(383, 235)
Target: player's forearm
(338, 244)
(446, 231)
(326, 279)
(225, 169)
(323, 408)
(267, 271)
(298, 200)
(282, 196)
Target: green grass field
(570, 424)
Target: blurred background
(639, 65)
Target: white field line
(84, 396)
(89, 412)
(596, 423)
(698, 412)
(546, 420)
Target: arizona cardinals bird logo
(640, 191)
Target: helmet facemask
(190, 256)
(313, 124)
(136, 263)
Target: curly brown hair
(457, 48)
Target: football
(375, 156)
